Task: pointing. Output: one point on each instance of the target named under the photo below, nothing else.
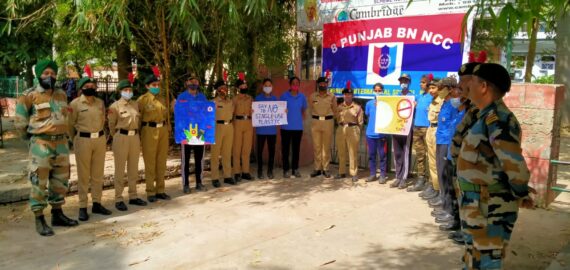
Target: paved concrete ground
(294, 224)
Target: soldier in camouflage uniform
(42, 112)
(492, 173)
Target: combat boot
(59, 219)
(83, 216)
(418, 186)
(427, 189)
(42, 228)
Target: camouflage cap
(405, 76)
(450, 82)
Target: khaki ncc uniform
(124, 121)
(243, 133)
(433, 114)
(350, 119)
(323, 108)
(154, 138)
(224, 138)
(86, 123)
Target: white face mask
(267, 89)
(127, 95)
(404, 86)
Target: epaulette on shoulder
(491, 118)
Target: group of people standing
(474, 179)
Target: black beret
(219, 83)
(150, 79)
(494, 73)
(322, 79)
(467, 68)
(239, 82)
(347, 91)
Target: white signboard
(269, 113)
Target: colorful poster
(195, 122)
(372, 51)
(394, 114)
(269, 113)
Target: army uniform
(224, 139)
(86, 123)
(124, 121)
(243, 135)
(44, 116)
(492, 178)
(350, 119)
(323, 108)
(154, 138)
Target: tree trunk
(29, 75)
(531, 51)
(123, 51)
(166, 60)
(562, 74)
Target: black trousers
(271, 140)
(401, 147)
(445, 177)
(291, 139)
(198, 154)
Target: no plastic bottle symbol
(404, 109)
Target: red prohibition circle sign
(404, 109)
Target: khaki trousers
(322, 133)
(223, 146)
(347, 139)
(243, 138)
(155, 151)
(126, 150)
(90, 159)
(431, 147)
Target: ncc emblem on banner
(384, 63)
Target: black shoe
(151, 198)
(435, 204)
(436, 213)
(354, 178)
(216, 183)
(59, 219)
(270, 175)
(247, 176)
(451, 226)
(431, 195)
(121, 206)
(340, 176)
(230, 181)
(83, 216)
(396, 183)
(434, 200)
(418, 185)
(297, 174)
(429, 189)
(138, 202)
(260, 175)
(100, 209)
(445, 219)
(237, 178)
(382, 180)
(316, 173)
(200, 187)
(42, 228)
(371, 178)
(186, 190)
(402, 184)
(163, 196)
(286, 175)
(326, 174)
(459, 239)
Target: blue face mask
(127, 95)
(154, 90)
(455, 102)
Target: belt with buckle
(57, 137)
(243, 117)
(128, 132)
(93, 135)
(223, 122)
(433, 124)
(348, 124)
(153, 124)
(328, 117)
